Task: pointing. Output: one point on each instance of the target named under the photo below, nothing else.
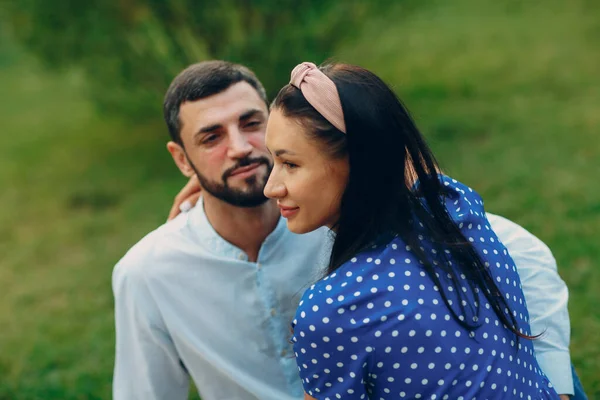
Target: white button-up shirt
(189, 304)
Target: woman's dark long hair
(386, 154)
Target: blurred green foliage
(507, 93)
(131, 50)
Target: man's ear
(180, 159)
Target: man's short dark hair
(202, 80)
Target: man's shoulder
(516, 238)
(154, 248)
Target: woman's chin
(300, 227)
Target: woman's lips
(287, 212)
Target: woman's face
(307, 183)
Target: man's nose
(239, 146)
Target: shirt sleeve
(546, 295)
(147, 365)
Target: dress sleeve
(333, 356)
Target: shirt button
(258, 266)
(241, 256)
(273, 312)
(283, 353)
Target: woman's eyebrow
(281, 152)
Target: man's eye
(253, 124)
(210, 138)
(290, 165)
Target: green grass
(507, 93)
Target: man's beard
(253, 196)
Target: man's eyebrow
(246, 115)
(207, 129)
(251, 113)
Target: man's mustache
(245, 162)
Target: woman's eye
(290, 165)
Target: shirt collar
(219, 246)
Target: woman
(420, 299)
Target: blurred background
(507, 92)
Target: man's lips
(244, 170)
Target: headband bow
(320, 91)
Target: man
(210, 294)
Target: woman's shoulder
(373, 272)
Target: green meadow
(507, 93)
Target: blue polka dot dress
(378, 328)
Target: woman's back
(379, 327)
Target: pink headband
(320, 92)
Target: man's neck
(246, 228)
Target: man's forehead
(224, 107)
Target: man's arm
(147, 365)
(546, 295)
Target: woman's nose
(274, 189)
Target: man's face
(224, 144)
